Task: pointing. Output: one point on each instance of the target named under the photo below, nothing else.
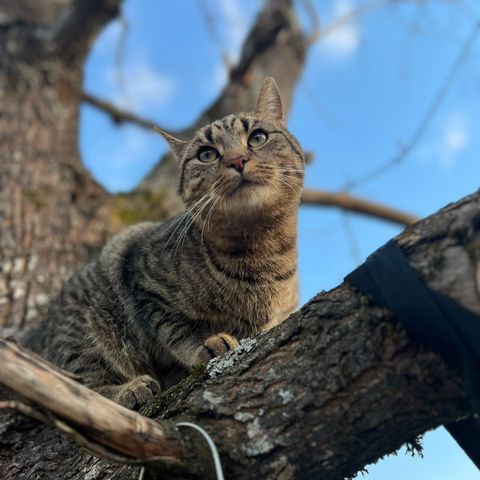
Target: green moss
(39, 197)
(131, 208)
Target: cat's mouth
(245, 183)
(250, 181)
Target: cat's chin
(246, 190)
(248, 198)
(246, 185)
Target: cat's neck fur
(258, 236)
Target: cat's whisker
(185, 216)
(225, 207)
(288, 175)
(208, 216)
(191, 218)
(215, 193)
(281, 167)
(288, 171)
(207, 202)
(281, 176)
(291, 187)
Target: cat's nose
(237, 163)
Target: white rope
(211, 444)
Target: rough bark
(49, 205)
(335, 387)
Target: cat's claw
(215, 346)
(137, 392)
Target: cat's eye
(207, 154)
(257, 138)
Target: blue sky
(364, 92)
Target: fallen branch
(85, 412)
(335, 387)
(104, 428)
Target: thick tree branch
(337, 385)
(57, 30)
(71, 35)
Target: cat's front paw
(137, 392)
(213, 347)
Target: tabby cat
(163, 297)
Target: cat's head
(245, 163)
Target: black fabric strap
(432, 318)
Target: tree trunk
(50, 208)
(333, 388)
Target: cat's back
(96, 287)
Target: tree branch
(357, 205)
(406, 150)
(64, 29)
(336, 386)
(104, 422)
(104, 428)
(322, 198)
(118, 115)
(72, 35)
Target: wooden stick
(91, 415)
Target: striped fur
(163, 297)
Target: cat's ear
(178, 146)
(269, 101)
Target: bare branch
(118, 115)
(358, 205)
(342, 20)
(407, 149)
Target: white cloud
(455, 139)
(126, 154)
(109, 38)
(456, 135)
(140, 87)
(236, 23)
(220, 77)
(448, 143)
(344, 40)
